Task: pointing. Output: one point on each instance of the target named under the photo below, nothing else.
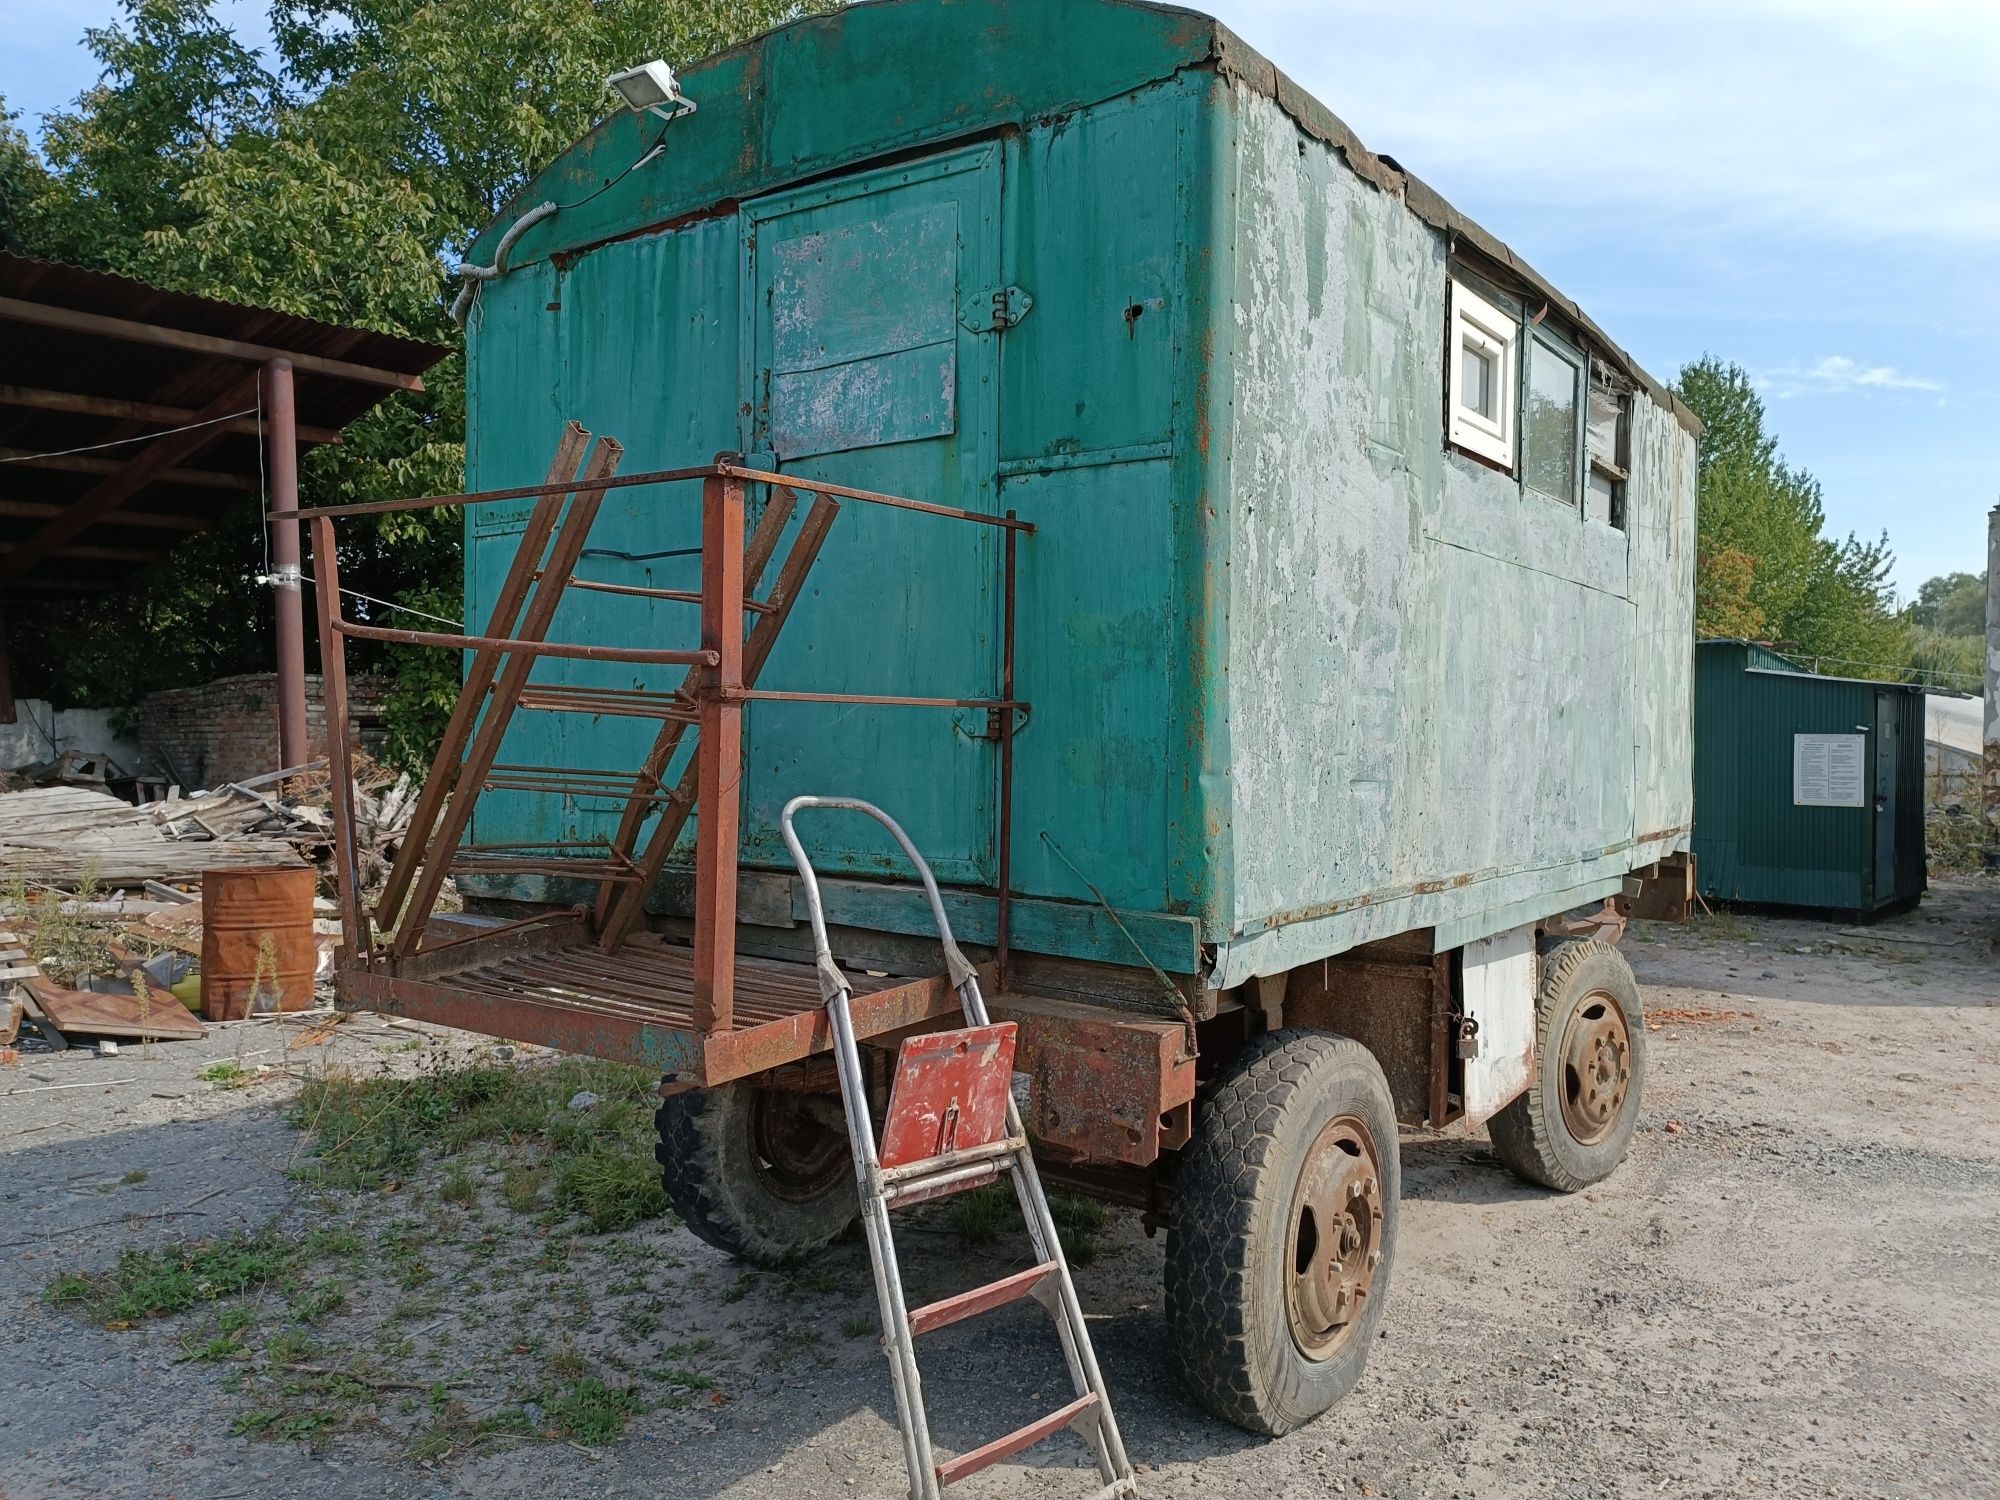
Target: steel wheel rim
(1333, 1245)
(797, 1157)
(1596, 1062)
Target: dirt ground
(1791, 1288)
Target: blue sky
(1808, 187)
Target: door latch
(1467, 1046)
(995, 310)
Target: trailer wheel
(1284, 1231)
(761, 1173)
(1574, 1123)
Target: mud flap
(1499, 996)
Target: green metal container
(1301, 675)
(1808, 790)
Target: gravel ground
(1789, 1289)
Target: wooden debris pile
(71, 836)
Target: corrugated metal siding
(1751, 842)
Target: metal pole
(718, 756)
(281, 459)
(1990, 738)
(355, 939)
(1005, 915)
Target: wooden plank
(75, 320)
(965, 1465)
(87, 1013)
(32, 399)
(957, 1308)
(93, 463)
(143, 520)
(162, 454)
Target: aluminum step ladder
(952, 1125)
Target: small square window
(1482, 376)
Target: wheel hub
(1597, 1068)
(796, 1154)
(1335, 1241)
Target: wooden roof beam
(163, 453)
(75, 320)
(92, 553)
(91, 463)
(42, 510)
(31, 398)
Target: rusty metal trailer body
(1265, 600)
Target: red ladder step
(956, 1309)
(966, 1464)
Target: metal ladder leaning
(952, 1125)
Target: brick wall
(227, 730)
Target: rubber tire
(709, 1169)
(1226, 1250)
(1529, 1134)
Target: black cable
(659, 145)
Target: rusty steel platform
(550, 983)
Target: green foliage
(1953, 663)
(367, 1133)
(589, 1411)
(23, 186)
(1952, 604)
(155, 1283)
(610, 1188)
(1766, 568)
(338, 181)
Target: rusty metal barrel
(257, 949)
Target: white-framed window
(1484, 376)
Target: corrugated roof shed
(102, 380)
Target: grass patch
(590, 1412)
(521, 1186)
(156, 1283)
(132, 1178)
(371, 1133)
(226, 1074)
(610, 1188)
(981, 1216)
(1079, 1221)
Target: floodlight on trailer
(652, 87)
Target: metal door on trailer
(863, 367)
(1887, 788)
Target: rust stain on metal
(1102, 1088)
(582, 980)
(950, 1093)
(257, 949)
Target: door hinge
(996, 310)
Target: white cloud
(1837, 375)
(1847, 117)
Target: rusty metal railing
(721, 679)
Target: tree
(23, 186)
(1952, 604)
(1765, 565)
(337, 182)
